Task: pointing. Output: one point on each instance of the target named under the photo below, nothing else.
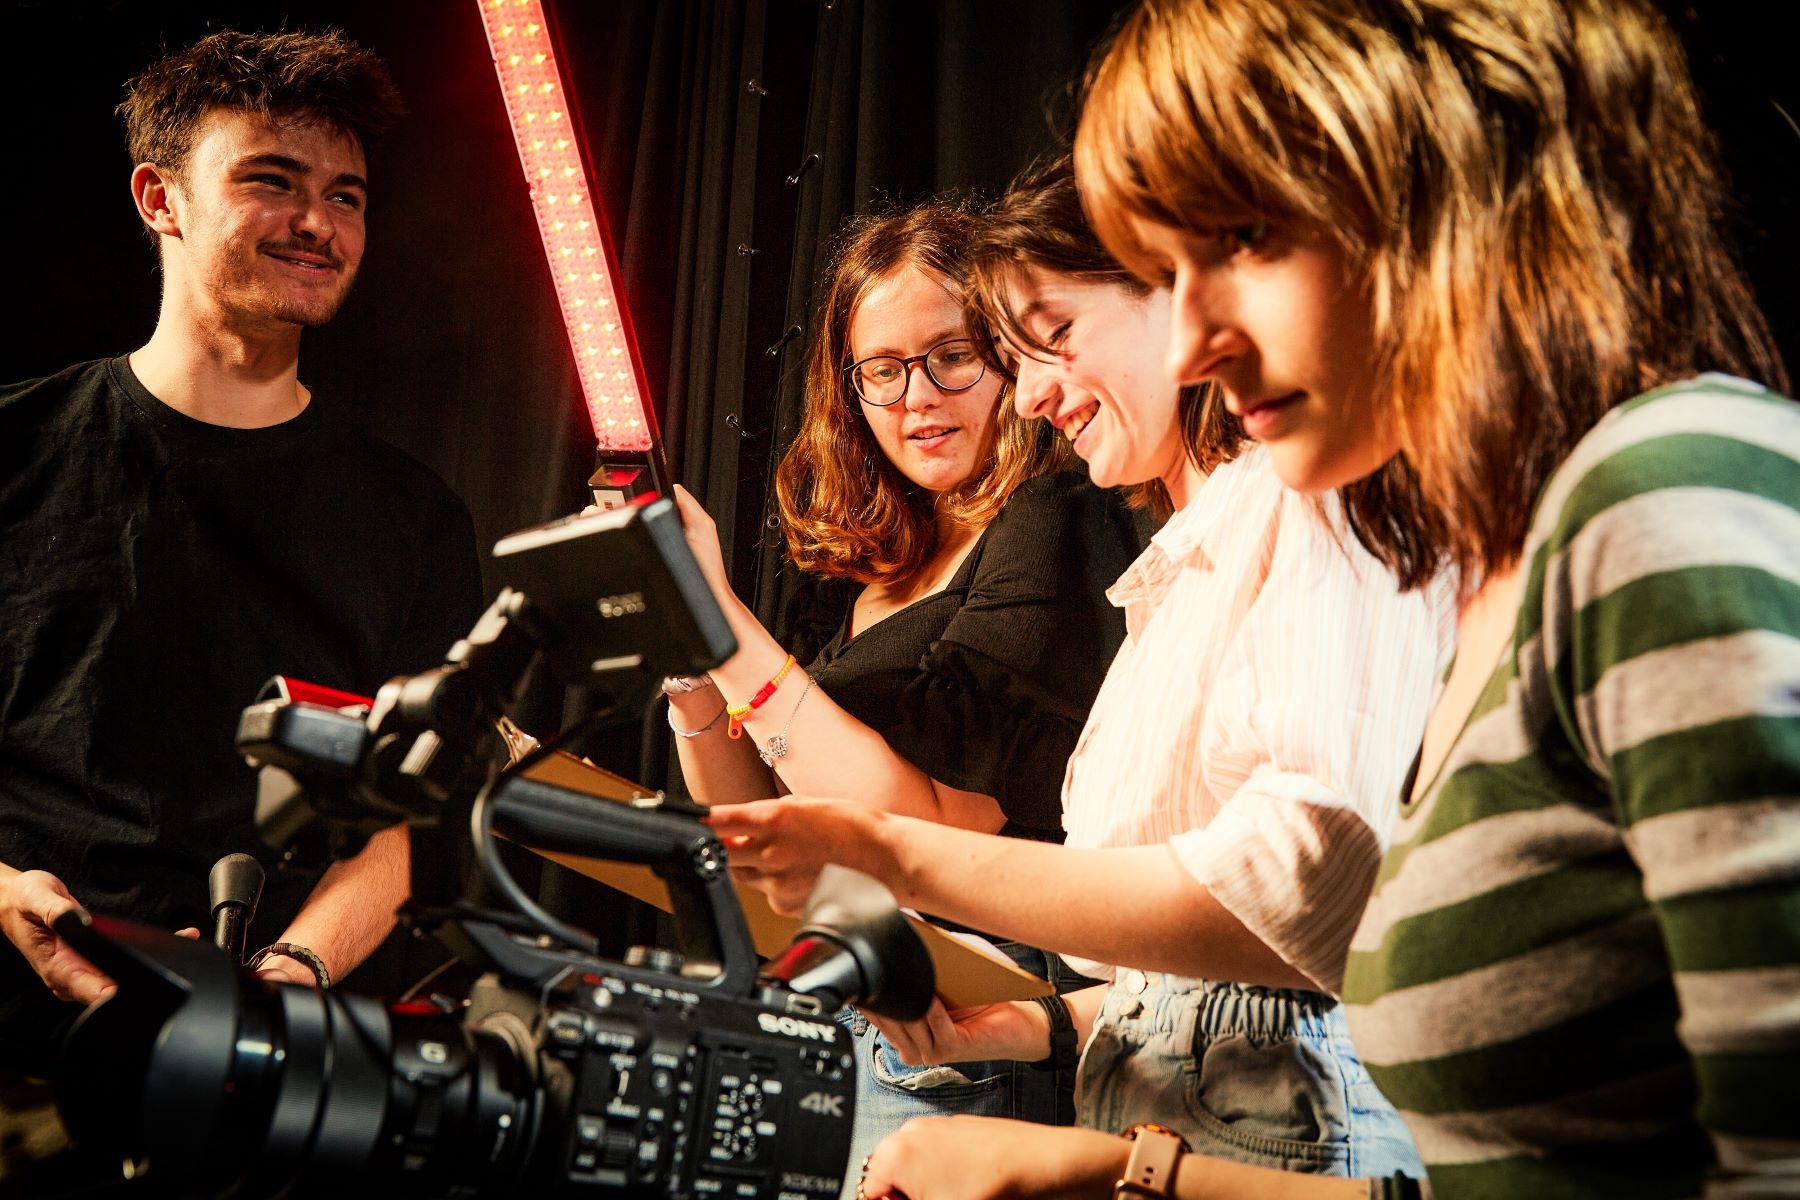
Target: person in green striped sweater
(1579, 970)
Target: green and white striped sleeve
(1668, 588)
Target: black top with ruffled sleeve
(986, 685)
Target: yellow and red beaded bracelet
(738, 712)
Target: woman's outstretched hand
(1015, 1030)
(779, 846)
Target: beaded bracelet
(299, 954)
(739, 711)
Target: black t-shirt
(154, 572)
(985, 686)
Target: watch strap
(1065, 1052)
(1156, 1151)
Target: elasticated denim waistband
(1217, 1007)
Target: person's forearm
(985, 1158)
(1202, 1177)
(717, 768)
(826, 749)
(352, 908)
(1199, 1177)
(1172, 923)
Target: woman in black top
(954, 681)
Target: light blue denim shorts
(1256, 1075)
(889, 1092)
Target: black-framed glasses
(953, 366)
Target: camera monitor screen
(617, 590)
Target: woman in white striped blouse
(1231, 795)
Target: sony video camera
(688, 1071)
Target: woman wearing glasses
(970, 631)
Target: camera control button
(567, 1030)
(620, 1147)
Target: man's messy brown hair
(322, 77)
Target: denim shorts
(889, 1093)
(1256, 1075)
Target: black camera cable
(487, 851)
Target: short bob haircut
(1525, 186)
(1038, 223)
(845, 510)
(315, 76)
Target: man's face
(270, 217)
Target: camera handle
(234, 887)
(665, 835)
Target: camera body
(558, 1077)
(685, 1071)
(670, 1092)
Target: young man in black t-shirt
(178, 524)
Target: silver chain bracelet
(777, 746)
(679, 732)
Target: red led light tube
(574, 238)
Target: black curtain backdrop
(729, 139)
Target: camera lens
(311, 1089)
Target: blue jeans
(889, 1093)
(1256, 1075)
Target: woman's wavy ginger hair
(1038, 223)
(845, 510)
(1525, 185)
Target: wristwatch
(1065, 1050)
(1150, 1171)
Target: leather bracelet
(1065, 1052)
(1156, 1151)
(299, 954)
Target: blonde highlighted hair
(845, 510)
(1525, 186)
